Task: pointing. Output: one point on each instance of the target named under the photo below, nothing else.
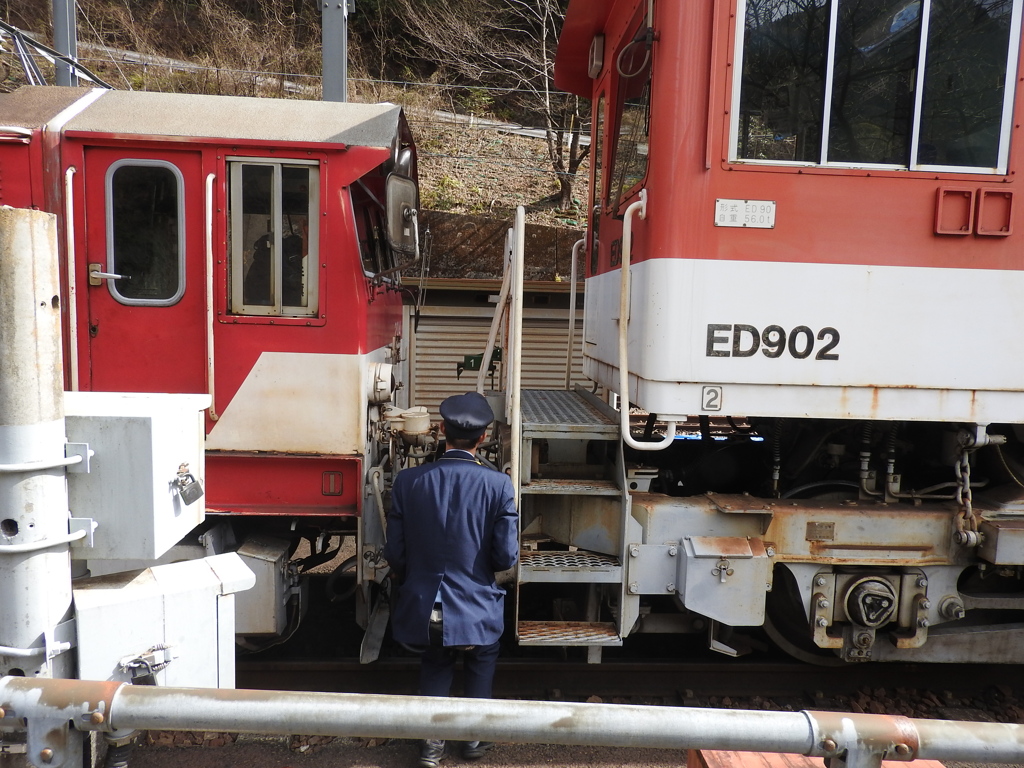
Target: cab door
(146, 271)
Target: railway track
(672, 682)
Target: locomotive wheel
(786, 624)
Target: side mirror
(402, 201)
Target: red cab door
(145, 230)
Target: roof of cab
(188, 116)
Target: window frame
(617, 195)
(1005, 125)
(237, 309)
(108, 214)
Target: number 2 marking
(711, 399)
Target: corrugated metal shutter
(445, 337)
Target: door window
(145, 232)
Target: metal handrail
(500, 310)
(47, 706)
(210, 309)
(572, 310)
(515, 365)
(635, 208)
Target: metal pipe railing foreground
(46, 708)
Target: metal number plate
(759, 214)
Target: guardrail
(56, 713)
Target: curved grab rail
(572, 310)
(627, 246)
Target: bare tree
(506, 47)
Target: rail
(637, 208)
(48, 708)
(513, 389)
(573, 277)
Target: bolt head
(926, 604)
(670, 587)
(820, 581)
(821, 621)
(924, 623)
(822, 602)
(829, 745)
(46, 755)
(97, 718)
(922, 581)
(672, 551)
(902, 749)
(634, 588)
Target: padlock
(190, 489)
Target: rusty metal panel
(862, 533)
(729, 588)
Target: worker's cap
(466, 416)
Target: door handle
(97, 275)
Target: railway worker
(451, 526)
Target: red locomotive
(803, 259)
(244, 248)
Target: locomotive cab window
(374, 252)
(629, 155)
(905, 84)
(145, 232)
(274, 237)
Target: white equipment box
(171, 625)
(140, 443)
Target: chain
(966, 522)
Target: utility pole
(35, 559)
(65, 39)
(334, 47)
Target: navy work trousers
(437, 669)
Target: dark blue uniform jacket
(452, 524)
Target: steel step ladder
(563, 450)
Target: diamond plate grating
(557, 407)
(556, 559)
(567, 633)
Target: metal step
(559, 633)
(579, 567)
(555, 413)
(570, 487)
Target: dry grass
(463, 168)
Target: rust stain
(565, 722)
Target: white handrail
(627, 246)
(499, 313)
(69, 246)
(516, 348)
(210, 309)
(572, 310)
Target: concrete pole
(334, 48)
(65, 38)
(35, 561)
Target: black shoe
(474, 750)
(432, 753)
